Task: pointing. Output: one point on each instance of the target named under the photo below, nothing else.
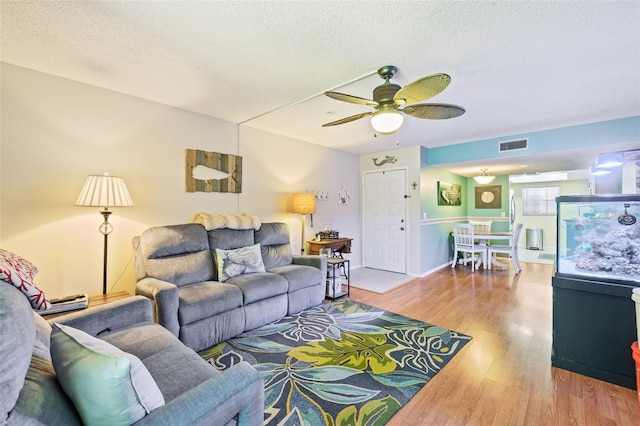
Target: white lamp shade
(484, 178)
(304, 203)
(104, 191)
(387, 122)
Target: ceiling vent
(513, 145)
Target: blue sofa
(31, 391)
(178, 268)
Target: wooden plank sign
(228, 164)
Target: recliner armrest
(237, 391)
(111, 316)
(310, 260)
(165, 301)
(319, 262)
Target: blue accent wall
(603, 133)
(434, 232)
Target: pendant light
(484, 178)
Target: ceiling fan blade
(434, 111)
(422, 89)
(348, 119)
(351, 99)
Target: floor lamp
(104, 191)
(304, 204)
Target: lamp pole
(105, 229)
(303, 226)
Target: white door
(384, 239)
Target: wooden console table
(339, 245)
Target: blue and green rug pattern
(340, 363)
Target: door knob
(402, 228)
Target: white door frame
(406, 209)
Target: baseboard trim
(437, 268)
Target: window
(540, 201)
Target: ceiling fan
(390, 102)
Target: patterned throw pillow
(20, 272)
(232, 263)
(106, 385)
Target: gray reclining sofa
(194, 392)
(178, 271)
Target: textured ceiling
(515, 66)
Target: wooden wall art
(225, 163)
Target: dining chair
(511, 249)
(481, 225)
(465, 244)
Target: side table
(97, 300)
(333, 267)
(101, 299)
(337, 245)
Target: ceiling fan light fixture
(387, 121)
(388, 97)
(484, 178)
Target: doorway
(385, 225)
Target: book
(67, 303)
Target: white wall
(283, 166)
(54, 132)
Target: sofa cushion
(42, 399)
(16, 345)
(274, 256)
(43, 333)
(259, 286)
(174, 367)
(172, 240)
(273, 233)
(19, 272)
(181, 270)
(106, 384)
(274, 242)
(206, 299)
(178, 254)
(227, 239)
(244, 260)
(299, 276)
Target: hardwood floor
(504, 375)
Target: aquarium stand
(594, 326)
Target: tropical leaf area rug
(340, 363)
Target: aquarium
(599, 237)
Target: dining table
(486, 237)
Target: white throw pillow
(106, 385)
(245, 260)
(19, 272)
